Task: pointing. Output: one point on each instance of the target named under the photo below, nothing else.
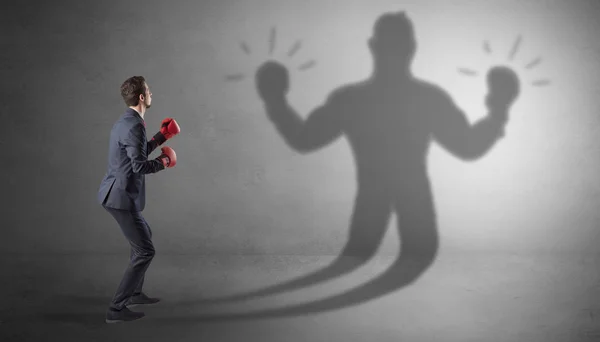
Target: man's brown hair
(132, 88)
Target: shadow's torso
(389, 129)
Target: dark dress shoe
(123, 315)
(141, 298)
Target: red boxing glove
(168, 157)
(168, 129)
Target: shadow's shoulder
(349, 91)
(435, 98)
(431, 89)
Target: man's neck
(141, 110)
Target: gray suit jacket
(124, 184)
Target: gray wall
(237, 187)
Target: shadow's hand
(272, 82)
(504, 88)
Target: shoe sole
(138, 304)
(111, 321)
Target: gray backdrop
(237, 187)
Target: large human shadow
(390, 121)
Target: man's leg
(138, 296)
(138, 289)
(137, 233)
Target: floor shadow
(71, 309)
(401, 273)
(75, 300)
(82, 319)
(390, 121)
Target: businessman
(123, 191)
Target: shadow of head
(393, 43)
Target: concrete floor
(475, 297)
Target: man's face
(148, 97)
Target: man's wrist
(159, 138)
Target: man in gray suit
(123, 191)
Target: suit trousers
(138, 233)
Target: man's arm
(136, 146)
(468, 142)
(151, 145)
(320, 128)
(168, 129)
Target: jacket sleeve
(151, 145)
(136, 146)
